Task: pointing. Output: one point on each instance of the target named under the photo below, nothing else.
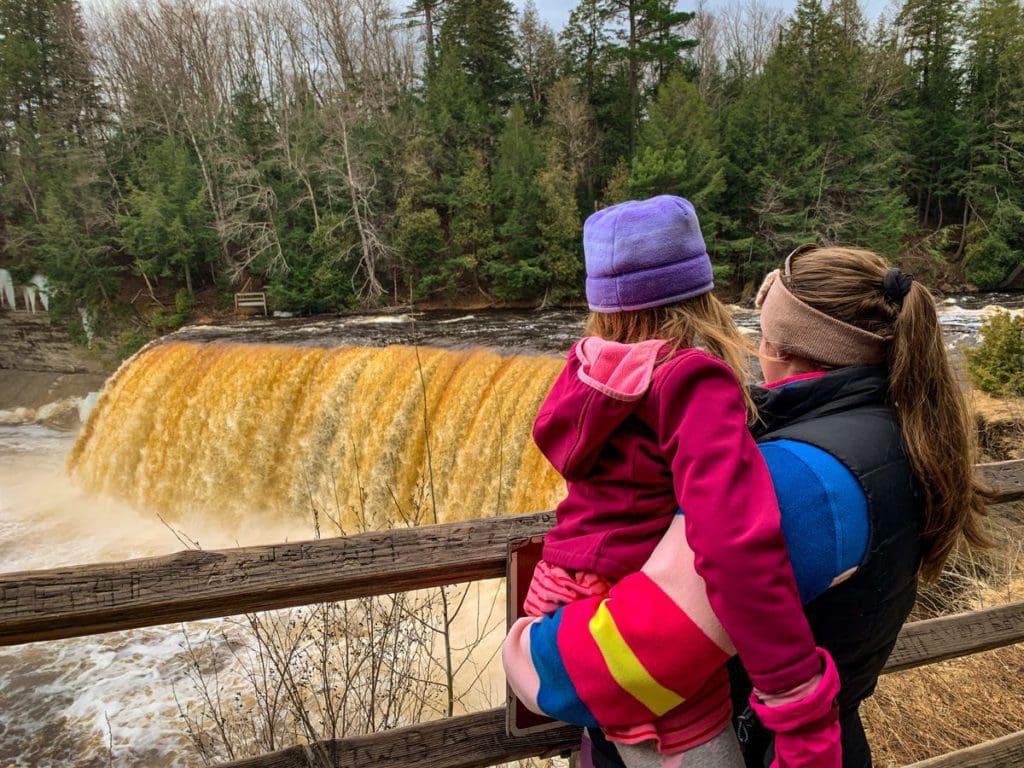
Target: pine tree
(586, 43)
(44, 64)
(932, 133)
(430, 11)
(166, 227)
(53, 213)
(592, 63)
(651, 38)
(472, 228)
(678, 155)
(819, 154)
(250, 120)
(561, 255)
(75, 260)
(455, 114)
(995, 182)
(481, 34)
(678, 151)
(538, 60)
(518, 206)
(421, 247)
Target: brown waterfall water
(370, 437)
(237, 444)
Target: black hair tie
(897, 285)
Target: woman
(865, 432)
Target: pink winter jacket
(639, 431)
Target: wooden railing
(91, 599)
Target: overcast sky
(556, 12)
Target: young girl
(642, 426)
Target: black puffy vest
(846, 414)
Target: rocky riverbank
(44, 375)
(1000, 426)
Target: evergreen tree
(53, 200)
(518, 206)
(455, 115)
(421, 246)
(44, 64)
(932, 126)
(586, 43)
(994, 187)
(591, 61)
(430, 11)
(819, 158)
(166, 226)
(75, 260)
(650, 34)
(678, 155)
(560, 245)
(538, 60)
(678, 152)
(480, 32)
(250, 120)
(472, 228)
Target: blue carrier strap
(824, 513)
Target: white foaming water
(77, 702)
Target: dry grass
(943, 707)
(1000, 425)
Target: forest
(362, 153)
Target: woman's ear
(769, 350)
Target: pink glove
(807, 730)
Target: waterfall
(353, 433)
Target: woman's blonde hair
(701, 321)
(937, 427)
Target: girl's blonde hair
(701, 321)
(937, 427)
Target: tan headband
(799, 329)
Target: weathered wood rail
(191, 585)
(91, 599)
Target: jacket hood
(603, 385)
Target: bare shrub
(266, 681)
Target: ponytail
(938, 431)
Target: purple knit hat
(645, 253)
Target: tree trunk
(428, 25)
(1017, 272)
(367, 238)
(963, 234)
(634, 80)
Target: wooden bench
(252, 300)
(91, 599)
